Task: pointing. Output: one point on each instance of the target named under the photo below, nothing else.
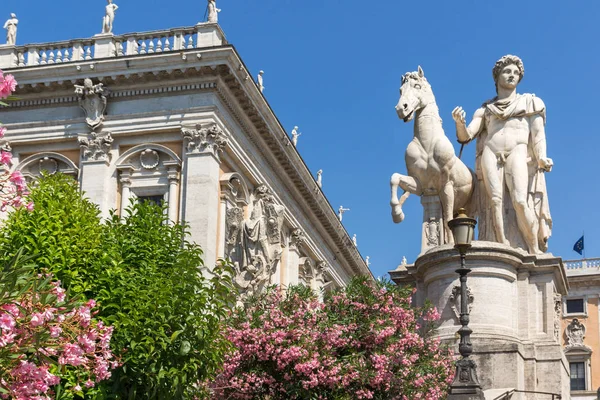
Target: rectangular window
(158, 199)
(575, 306)
(577, 375)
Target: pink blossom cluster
(368, 343)
(43, 335)
(8, 84)
(13, 188)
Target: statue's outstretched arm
(466, 133)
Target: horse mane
(415, 76)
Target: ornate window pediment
(33, 166)
(150, 170)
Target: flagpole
(583, 236)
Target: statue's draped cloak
(523, 105)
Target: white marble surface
(433, 168)
(511, 161)
(11, 29)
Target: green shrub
(145, 276)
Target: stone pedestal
(511, 297)
(104, 45)
(8, 56)
(209, 34)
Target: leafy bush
(145, 277)
(363, 342)
(46, 336)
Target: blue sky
(333, 68)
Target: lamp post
(465, 385)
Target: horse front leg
(409, 185)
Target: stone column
(95, 159)
(125, 193)
(200, 205)
(432, 232)
(173, 202)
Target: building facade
(581, 327)
(174, 116)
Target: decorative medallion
(149, 159)
(48, 164)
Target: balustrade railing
(586, 263)
(143, 43)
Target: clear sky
(333, 68)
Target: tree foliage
(145, 276)
(362, 342)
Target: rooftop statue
(11, 29)
(320, 178)
(109, 17)
(259, 81)
(341, 212)
(432, 165)
(213, 11)
(510, 161)
(295, 135)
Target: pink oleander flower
(365, 340)
(5, 157)
(2, 131)
(42, 321)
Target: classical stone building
(174, 116)
(580, 328)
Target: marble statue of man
(295, 135)
(11, 29)
(367, 261)
(341, 212)
(259, 81)
(213, 11)
(320, 178)
(354, 240)
(109, 17)
(510, 161)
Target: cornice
(51, 84)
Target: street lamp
(465, 385)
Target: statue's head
(13, 15)
(504, 64)
(415, 93)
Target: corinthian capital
(96, 146)
(208, 139)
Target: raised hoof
(397, 214)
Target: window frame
(574, 314)
(585, 358)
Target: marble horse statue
(432, 165)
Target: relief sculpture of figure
(433, 168)
(510, 161)
(11, 29)
(109, 17)
(261, 241)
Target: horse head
(415, 93)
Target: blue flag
(579, 246)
